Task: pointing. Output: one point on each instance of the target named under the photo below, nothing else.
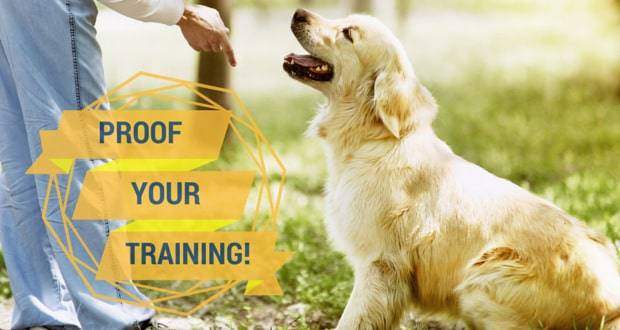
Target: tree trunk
(361, 6)
(403, 7)
(213, 68)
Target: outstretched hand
(205, 31)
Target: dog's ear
(392, 100)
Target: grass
(564, 146)
(5, 289)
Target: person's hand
(204, 30)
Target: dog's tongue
(303, 60)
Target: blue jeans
(49, 62)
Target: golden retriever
(424, 228)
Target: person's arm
(161, 11)
(201, 26)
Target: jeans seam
(106, 224)
(74, 54)
(76, 77)
(78, 97)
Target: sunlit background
(529, 89)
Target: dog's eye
(346, 32)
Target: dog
(423, 228)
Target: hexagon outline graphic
(258, 156)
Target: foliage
(5, 289)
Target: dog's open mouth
(307, 66)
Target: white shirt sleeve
(161, 11)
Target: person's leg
(56, 64)
(39, 291)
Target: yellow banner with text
(134, 134)
(205, 195)
(146, 255)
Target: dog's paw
(437, 325)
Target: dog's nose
(300, 16)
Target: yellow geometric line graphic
(259, 150)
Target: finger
(213, 43)
(195, 47)
(190, 41)
(195, 42)
(230, 54)
(205, 46)
(210, 47)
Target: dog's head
(358, 60)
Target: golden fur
(425, 229)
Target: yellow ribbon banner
(163, 195)
(132, 134)
(248, 256)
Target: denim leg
(39, 291)
(55, 62)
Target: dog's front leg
(379, 298)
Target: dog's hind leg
(492, 286)
(381, 294)
(481, 312)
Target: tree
(361, 6)
(403, 7)
(213, 68)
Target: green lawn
(565, 148)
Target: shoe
(152, 325)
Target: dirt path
(5, 314)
